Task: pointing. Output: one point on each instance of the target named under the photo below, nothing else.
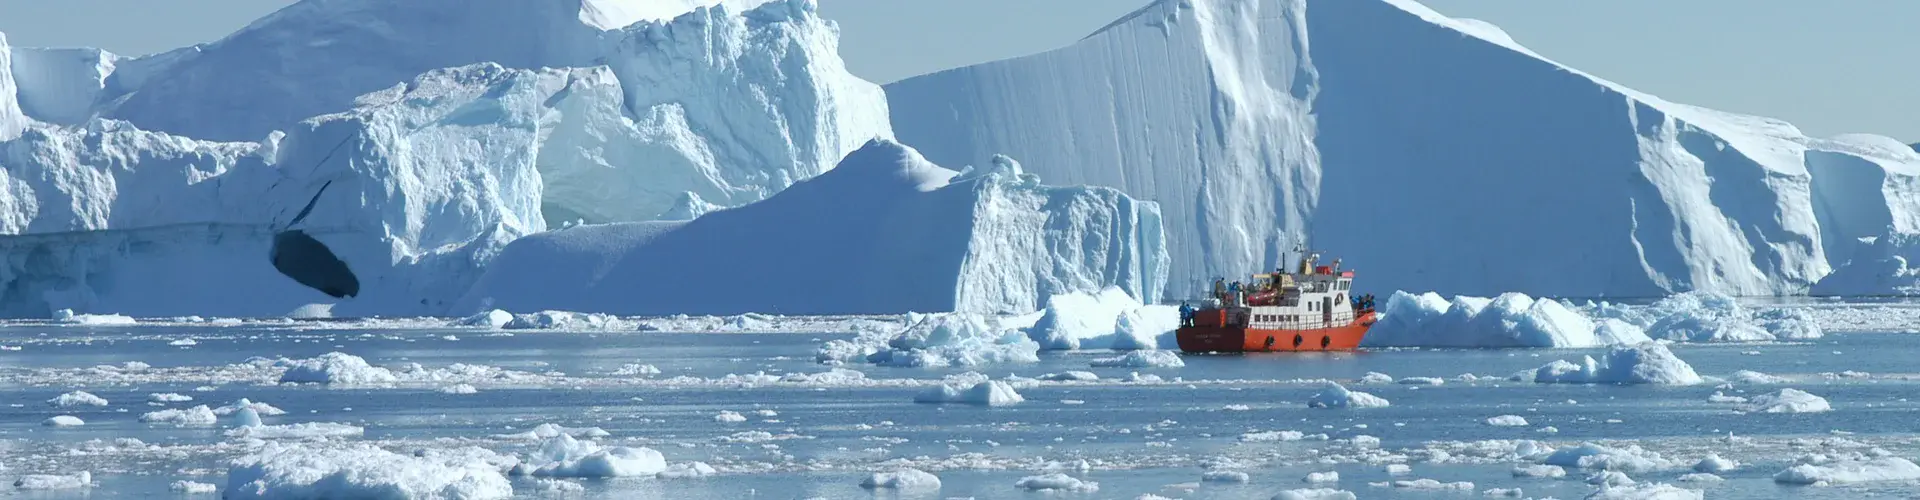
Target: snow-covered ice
(902, 479)
(75, 399)
(358, 471)
(63, 421)
(989, 393)
(1334, 395)
(1643, 363)
(1057, 482)
(197, 416)
(1142, 359)
(1854, 471)
(1507, 421)
(336, 368)
(1315, 494)
(1786, 400)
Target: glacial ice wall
(1428, 152)
(883, 232)
(429, 174)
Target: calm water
(1133, 438)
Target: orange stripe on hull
(1238, 339)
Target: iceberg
(883, 232)
(409, 175)
(1371, 127)
(1643, 363)
(1886, 265)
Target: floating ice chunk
(902, 479)
(168, 397)
(1143, 359)
(990, 393)
(1644, 363)
(1646, 491)
(260, 408)
(68, 316)
(563, 456)
(1539, 470)
(1851, 471)
(494, 319)
(184, 342)
(1786, 401)
(459, 389)
(1376, 378)
(306, 430)
(1071, 376)
(1399, 469)
(1609, 478)
(1056, 482)
(1429, 484)
(1699, 477)
(1315, 494)
(1755, 378)
(1507, 421)
(637, 369)
(1719, 397)
(1272, 436)
(247, 417)
(63, 421)
(360, 471)
(1422, 381)
(1790, 324)
(191, 488)
(1108, 319)
(729, 416)
(1322, 477)
(1632, 458)
(77, 398)
(1712, 463)
(686, 470)
(335, 368)
(1502, 492)
(82, 479)
(1224, 476)
(1700, 316)
(956, 339)
(1510, 320)
(198, 415)
(1336, 396)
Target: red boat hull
(1213, 338)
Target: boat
(1311, 308)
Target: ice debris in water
(902, 479)
(564, 456)
(1507, 421)
(1322, 477)
(1786, 401)
(335, 368)
(1850, 471)
(82, 479)
(1056, 482)
(990, 393)
(191, 488)
(1700, 316)
(63, 421)
(1631, 458)
(303, 430)
(950, 339)
(1429, 484)
(729, 416)
(359, 471)
(1712, 463)
(493, 319)
(77, 398)
(1224, 476)
(243, 403)
(1337, 396)
(198, 415)
(686, 470)
(1646, 491)
(1755, 378)
(1643, 363)
(1142, 359)
(68, 316)
(1315, 494)
(1376, 378)
(1108, 319)
(168, 397)
(1517, 320)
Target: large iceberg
(884, 232)
(1429, 152)
(1887, 265)
(413, 172)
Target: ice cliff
(432, 160)
(885, 231)
(1428, 152)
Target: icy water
(819, 437)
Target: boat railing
(1315, 323)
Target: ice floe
(195, 416)
(335, 368)
(1850, 471)
(1786, 401)
(359, 471)
(1643, 363)
(1056, 482)
(1507, 421)
(989, 393)
(1334, 395)
(564, 456)
(1142, 359)
(63, 421)
(1315, 494)
(76, 398)
(902, 479)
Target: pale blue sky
(1828, 66)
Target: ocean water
(818, 437)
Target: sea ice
(990, 393)
(956, 339)
(685, 470)
(902, 479)
(1786, 401)
(1322, 477)
(82, 479)
(1712, 463)
(1056, 482)
(191, 488)
(1224, 476)
(168, 397)
(1643, 363)
(1507, 421)
(63, 421)
(195, 416)
(1142, 359)
(305, 430)
(1315, 494)
(1109, 319)
(77, 398)
(335, 368)
(280, 470)
(563, 456)
(1631, 458)
(1336, 396)
(1646, 491)
(1852, 471)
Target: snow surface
(884, 232)
(359, 471)
(462, 139)
(1375, 126)
(1644, 363)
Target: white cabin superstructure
(1311, 297)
